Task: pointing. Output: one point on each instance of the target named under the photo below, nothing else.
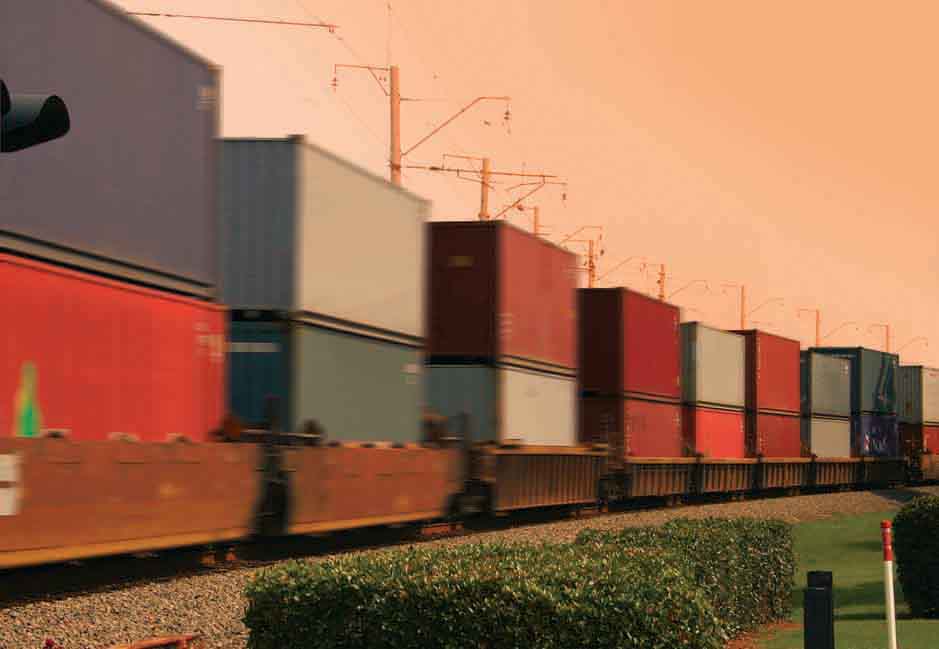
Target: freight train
(250, 338)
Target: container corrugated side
(827, 437)
(361, 245)
(505, 403)
(775, 435)
(825, 385)
(713, 363)
(873, 378)
(652, 347)
(714, 433)
(357, 388)
(633, 427)
(600, 341)
(772, 372)
(918, 400)
(96, 357)
(135, 178)
(537, 299)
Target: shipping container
(95, 357)
(629, 344)
(306, 232)
(919, 394)
(356, 388)
(772, 372)
(825, 385)
(633, 427)
(918, 438)
(827, 436)
(713, 363)
(774, 435)
(713, 432)
(135, 178)
(873, 378)
(498, 294)
(875, 435)
(506, 403)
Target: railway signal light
(30, 119)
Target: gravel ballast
(212, 605)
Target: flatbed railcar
(63, 500)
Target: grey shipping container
(919, 394)
(827, 436)
(307, 232)
(130, 191)
(506, 403)
(826, 385)
(713, 362)
(358, 389)
(873, 378)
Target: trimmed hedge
(483, 595)
(916, 532)
(745, 566)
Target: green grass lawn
(850, 548)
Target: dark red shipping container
(772, 372)
(629, 344)
(714, 433)
(918, 438)
(774, 435)
(97, 357)
(633, 427)
(496, 291)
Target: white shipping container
(919, 394)
(713, 366)
(506, 403)
(308, 232)
(827, 437)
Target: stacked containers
(772, 395)
(826, 405)
(919, 409)
(88, 349)
(713, 391)
(502, 332)
(873, 400)
(336, 337)
(630, 373)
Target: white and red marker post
(885, 530)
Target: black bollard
(819, 612)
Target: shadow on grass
(900, 495)
(869, 593)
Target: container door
(258, 368)
(653, 429)
(875, 435)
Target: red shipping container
(918, 438)
(497, 291)
(96, 357)
(633, 427)
(714, 433)
(773, 372)
(629, 344)
(774, 435)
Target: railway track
(59, 581)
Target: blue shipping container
(875, 435)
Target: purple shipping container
(875, 435)
(130, 191)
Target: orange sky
(785, 146)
